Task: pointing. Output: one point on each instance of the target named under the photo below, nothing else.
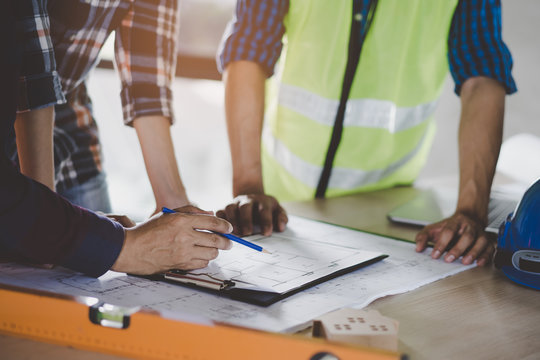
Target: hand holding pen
(172, 242)
(228, 236)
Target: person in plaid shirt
(38, 225)
(145, 52)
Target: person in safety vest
(349, 106)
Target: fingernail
(467, 260)
(435, 254)
(230, 229)
(230, 245)
(450, 258)
(418, 248)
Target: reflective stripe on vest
(342, 178)
(369, 113)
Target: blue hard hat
(518, 247)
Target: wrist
(244, 187)
(172, 200)
(474, 200)
(122, 261)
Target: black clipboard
(227, 288)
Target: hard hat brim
(522, 277)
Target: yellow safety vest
(387, 122)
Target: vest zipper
(356, 40)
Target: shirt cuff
(223, 61)
(39, 91)
(100, 247)
(508, 83)
(144, 100)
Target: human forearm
(160, 161)
(244, 110)
(34, 130)
(480, 137)
(40, 226)
(480, 134)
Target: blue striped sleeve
(254, 34)
(475, 45)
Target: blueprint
(402, 271)
(291, 263)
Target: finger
(280, 219)
(204, 253)
(183, 222)
(232, 211)
(442, 240)
(478, 248)
(265, 218)
(426, 235)
(421, 240)
(245, 212)
(221, 214)
(466, 240)
(193, 264)
(209, 240)
(487, 256)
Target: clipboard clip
(203, 280)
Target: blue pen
(228, 236)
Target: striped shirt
(145, 54)
(475, 45)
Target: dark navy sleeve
(36, 224)
(254, 34)
(475, 45)
(40, 226)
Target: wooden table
(477, 314)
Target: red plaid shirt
(145, 54)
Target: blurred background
(200, 136)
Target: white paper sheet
(292, 263)
(403, 271)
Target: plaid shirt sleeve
(146, 58)
(475, 45)
(255, 34)
(39, 84)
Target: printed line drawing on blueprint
(292, 263)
